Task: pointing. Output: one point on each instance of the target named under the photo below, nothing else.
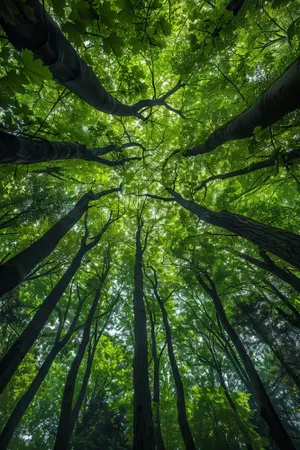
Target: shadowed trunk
(13, 271)
(181, 407)
(143, 423)
(68, 414)
(281, 243)
(267, 411)
(288, 158)
(235, 6)
(270, 266)
(24, 150)
(281, 98)
(15, 355)
(43, 37)
(27, 398)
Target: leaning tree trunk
(27, 398)
(67, 417)
(24, 150)
(15, 355)
(281, 98)
(43, 37)
(270, 162)
(143, 422)
(181, 407)
(267, 411)
(13, 271)
(270, 266)
(281, 243)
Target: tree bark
(281, 98)
(13, 271)
(43, 37)
(15, 355)
(143, 422)
(27, 398)
(270, 266)
(159, 442)
(68, 414)
(181, 407)
(267, 411)
(289, 157)
(24, 150)
(281, 243)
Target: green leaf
(58, 7)
(34, 68)
(257, 129)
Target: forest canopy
(149, 224)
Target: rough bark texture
(267, 411)
(15, 355)
(143, 423)
(27, 398)
(281, 243)
(13, 271)
(281, 98)
(24, 150)
(270, 266)
(181, 408)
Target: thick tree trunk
(159, 442)
(281, 243)
(24, 150)
(67, 416)
(267, 411)
(27, 398)
(143, 422)
(288, 158)
(181, 408)
(13, 271)
(270, 266)
(43, 37)
(281, 98)
(15, 355)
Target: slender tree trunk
(181, 407)
(235, 6)
(281, 243)
(285, 300)
(43, 37)
(15, 355)
(270, 266)
(281, 98)
(27, 398)
(24, 150)
(159, 442)
(13, 271)
(67, 417)
(289, 157)
(267, 411)
(143, 422)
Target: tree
(96, 94)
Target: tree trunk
(159, 442)
(24, 150)
(13, 271)
(281, 243)
(285, 300)
(270, 266)
(235, 6)
(143, 422)
(288, 158)
(267, 411)
(15, 355)
(181, 408)
(281, 98)
(43, 37)
(27, 398)
(67, 417)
